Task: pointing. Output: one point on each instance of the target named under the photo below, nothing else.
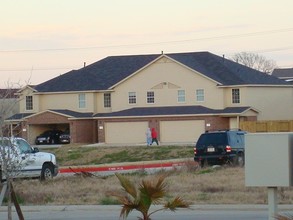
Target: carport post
(11, 130)
(272, 202)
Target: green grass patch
(109, 201)
(69, 155)
(205, 171)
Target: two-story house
(182, 95)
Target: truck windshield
(24, 147)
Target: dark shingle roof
(19, 116)
(98, 76)
(107, 72)
(8, 93)
(69, 113)
(144, 111)
(73, 114)
(172, 110)
(224, 71)
(283, 73)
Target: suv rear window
(236, 139)
(212, 139)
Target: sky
(40, 40)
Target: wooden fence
(267, 126)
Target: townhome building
(181, 95)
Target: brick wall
(83, 131)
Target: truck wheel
(47, 172)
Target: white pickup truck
(24, 161)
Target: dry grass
(203, 186)
(225, 185)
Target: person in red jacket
(154, 136)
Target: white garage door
(125, 132)
(181, 131)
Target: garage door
(181, 131)
(125, 132)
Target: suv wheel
(239, 160)
(47, 172)
(204, 163)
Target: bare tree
(255, 61)
(10, 160)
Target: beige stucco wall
(273, 103)
(67, 101)
(165, 78)
(22, 101)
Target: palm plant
(284, 217)
(142, 197)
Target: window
(107, 100)
(181, 96)
(132, 97)
(235, 96)
(199, 95)
(81, 100)
(24, 147)
(29, 103)
(151, 97)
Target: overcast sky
(40, 40)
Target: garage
(181, 131)
(125, 132)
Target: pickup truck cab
(25, 161)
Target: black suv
(220, 147)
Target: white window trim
(110, 100)
(150, 103)
(239, 96)
(80, 101)
(196, 96)
(128, 98)
(180, 96)
(32, 103)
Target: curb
(124, 166)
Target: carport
(48, 120)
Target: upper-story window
(199, 95)
(235, 96)
(132, 97)
(29, 103)
(150, 97)
(181, 96)
(107, 100)
(81, 100)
